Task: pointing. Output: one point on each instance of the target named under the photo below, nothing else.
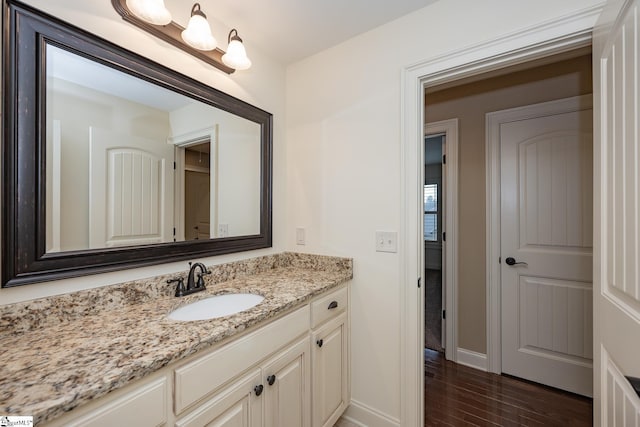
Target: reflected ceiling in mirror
(92, 133)
(112, 142)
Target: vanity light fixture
(196, 39)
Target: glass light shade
(151, 11)
(236, 56)
(198, 34)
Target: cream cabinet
(330, 372)
(144, 403)
(287, 385)
(275, 394)
(330, 358)
(237, 405)
(291, 372)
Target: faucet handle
(200, 282)
(180, 287)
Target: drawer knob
(258, 389)
(334, 304)
(320, 342)
(271, 379)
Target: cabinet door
(330, 372)
(237, 405)
(287, 387)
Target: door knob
(511, 262)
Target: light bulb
(151, 11)
(198, 33)
(236, 56)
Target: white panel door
(131, 190)
(546, 229)
(617, 214)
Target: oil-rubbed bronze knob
(258, 389)
(271, 379)
(320, 342)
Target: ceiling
(290, 30)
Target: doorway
(197, 190)
(564, 75)
(551, 38)
(432, 198)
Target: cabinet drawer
(199, 378)
(329, 306)
(145, 406)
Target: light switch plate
(300, 240)
(386, 241)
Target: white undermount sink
(216, 306)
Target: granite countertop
(61, 352)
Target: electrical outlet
(386, 241)
(300, 239)
(223, 230)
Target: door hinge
(444, 314)
(444, 159)
(499, 260)
(444, 236)
(419, 279)
(174, 165)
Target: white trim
(552, 37)
(472, 359)
(450, 226)
(194, 137)
(363, 415)
(492, 152)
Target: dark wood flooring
(457, 395)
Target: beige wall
(469, 103)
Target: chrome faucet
(193, 285)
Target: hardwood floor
(456, 395)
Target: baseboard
(472, 359)
(362, 415)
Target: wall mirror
(113, 161)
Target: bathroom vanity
(111, 355)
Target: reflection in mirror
(131, 163)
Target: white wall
(263, 86)
(343, 165)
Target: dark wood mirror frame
(24, 257)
